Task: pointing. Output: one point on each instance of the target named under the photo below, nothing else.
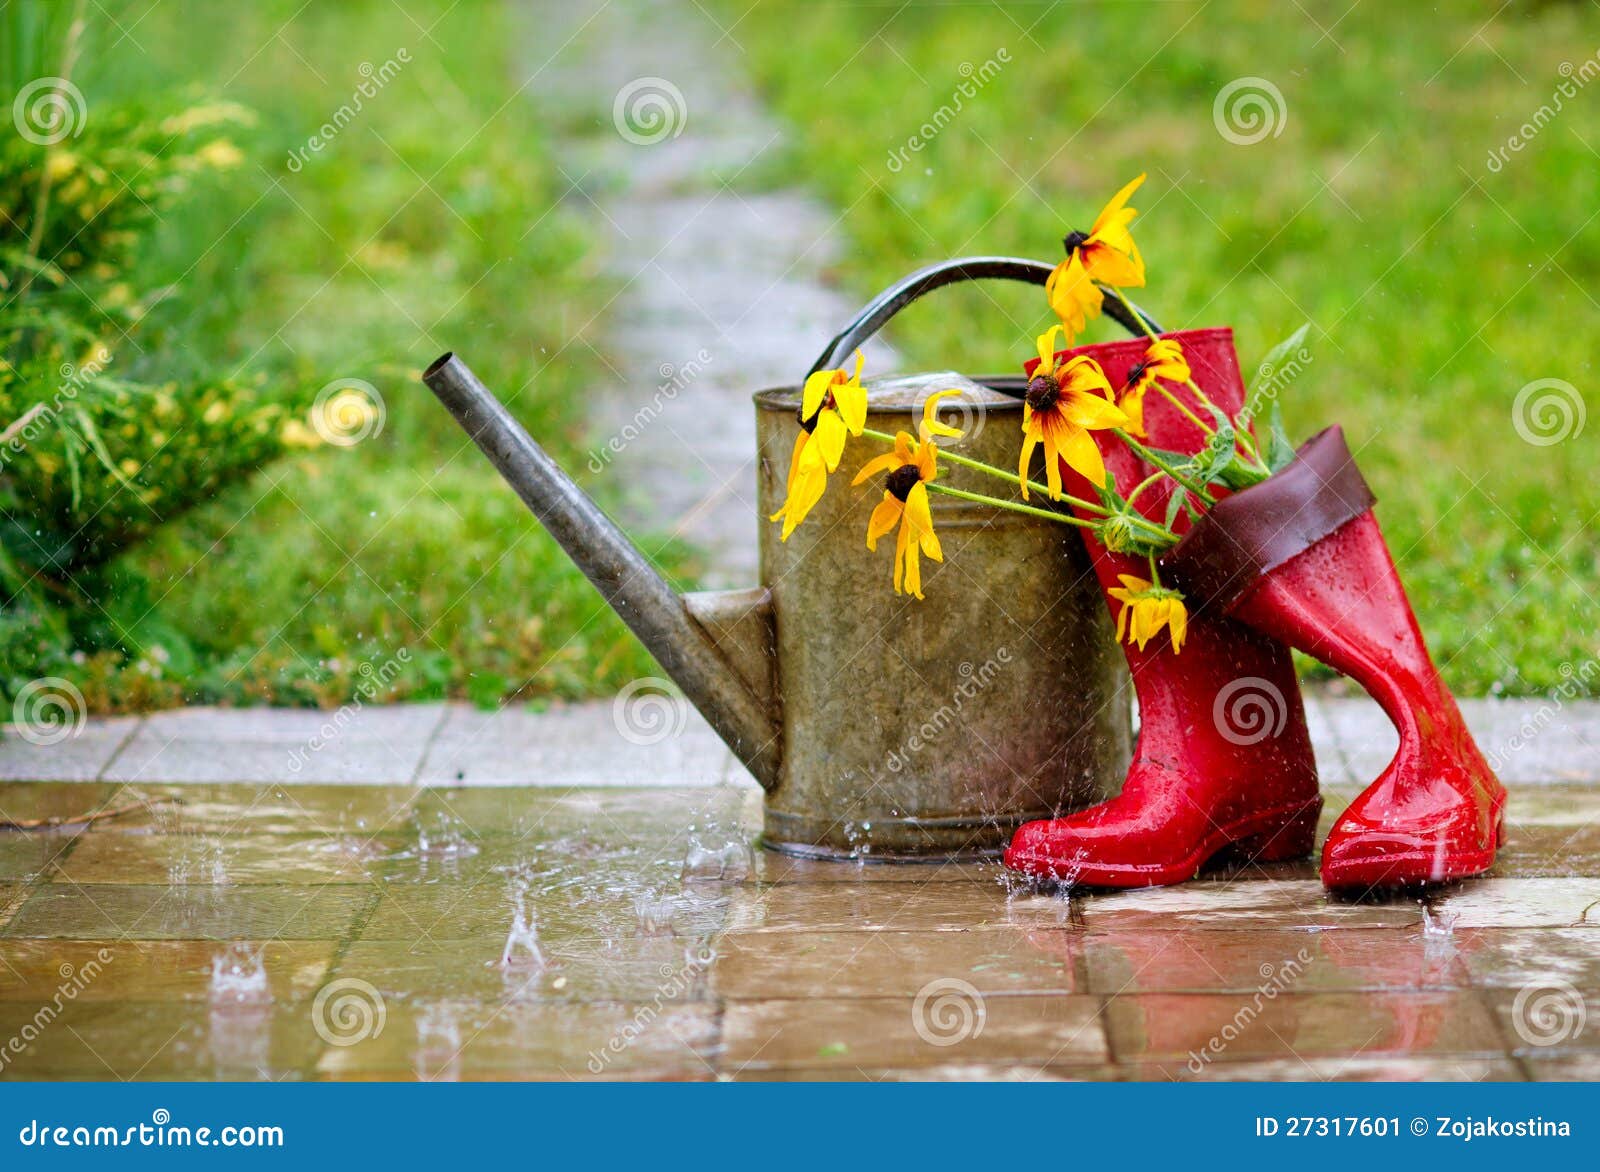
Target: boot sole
(1414, 868)
(1274, 836)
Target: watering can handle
(896, 297)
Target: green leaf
(1280, 452)
(1273, 369)
(1175, 505)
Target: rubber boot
(1437, 812)
(1223, 760)
(1301, 558)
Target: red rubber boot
(1223, 758)
(1300, 557)
(1438, 811)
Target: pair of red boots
(1223, 761)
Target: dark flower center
(810, 425)
(902, 480)
(1073, 241)
(1136, 372)
(1043, 392)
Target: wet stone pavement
(375, 932)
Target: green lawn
(1436, 288)
(430, 220)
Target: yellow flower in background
(1105, 253)
(832, 405)
(1162, 359)
(1146, 608)
(911, 467)
(1064, 403)
(220, 153)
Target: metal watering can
(880, 727)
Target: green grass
(431, 221)
(1436, 288)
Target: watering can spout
(716, 647)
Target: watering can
(880, 727)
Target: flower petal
(883, 463)
(1082, 455)
(1030, 440)
(1109, 213)
(830, 435)
(852, 400)
(1046, 343)
(930, 415)
(883, 518)
(816, 389)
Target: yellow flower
(1105, 253)
(832, 404)
(1064, 403)
(1163, 359)
(912, 466)
(220, 153)
(1146, 608)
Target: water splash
(656, 913)
(437, 1057)
(239, 977)
(522, 941)
(1437, 926)
(728, 860)
(445, 838)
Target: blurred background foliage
(179, 277)
(182, 275)
(1437, 285)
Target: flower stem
(1013, 506)
(998, 473)
(1146, 454)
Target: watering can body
(881, 727)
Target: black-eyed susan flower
(832, 405)
(1106, 253)
(1146, 608)
(911, 467)
(1064, 403)
(1162, 359)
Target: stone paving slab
(615, 743)
(786, 969)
